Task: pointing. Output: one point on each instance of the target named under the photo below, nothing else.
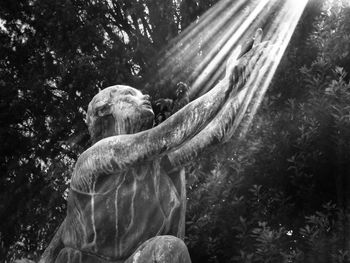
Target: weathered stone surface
(127, 196)
(159, 249)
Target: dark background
(279, 194)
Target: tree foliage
(54, 56)
(280, 194)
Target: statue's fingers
(235, 55)
(232, 61)
(261, 49)
(258, 37)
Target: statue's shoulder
(92, 175)
(97, 183)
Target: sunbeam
(205, 46)
(280, 34)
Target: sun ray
(198, 55)
(280, 38)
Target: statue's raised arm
(124, 110)
(124, 205)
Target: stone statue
(127, 195)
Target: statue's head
(118, 110)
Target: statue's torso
(120, 211)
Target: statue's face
(119, 110)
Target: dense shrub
(281, 194)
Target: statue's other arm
(223, 126)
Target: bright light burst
(204, 47)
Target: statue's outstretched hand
(242, 64)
